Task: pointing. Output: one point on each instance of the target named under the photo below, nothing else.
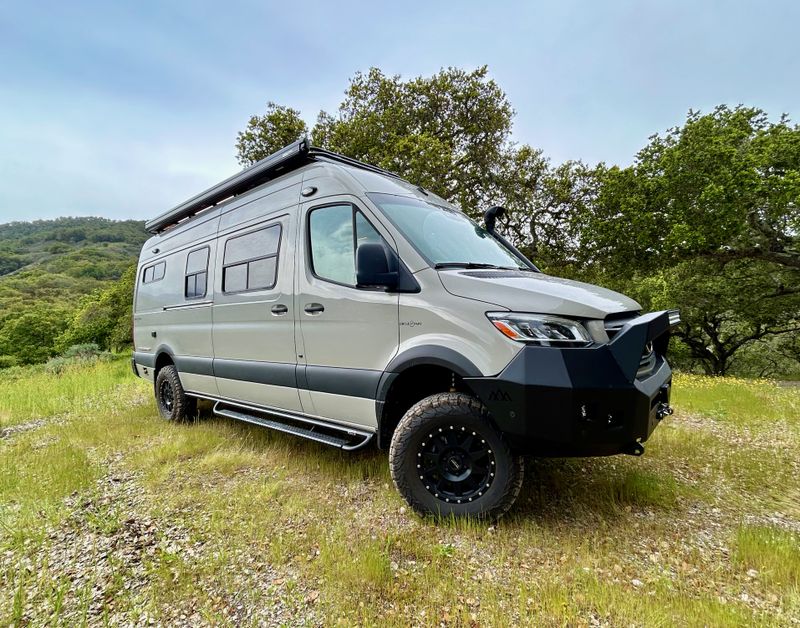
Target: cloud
(125, 109)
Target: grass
(108, 514)
(742, 402)
(772, 552)
(32, 393)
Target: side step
(345, 438)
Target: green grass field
(108, 516)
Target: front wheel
(447, 459)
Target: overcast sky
(124, 111)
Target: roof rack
(313, 151)
(285, 160)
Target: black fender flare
(150, 359)
(422, 355)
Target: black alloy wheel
(166, 395)
(173, 402)
(447, 459)
(456, 464)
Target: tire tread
(185, 407)
(438, 406)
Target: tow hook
(664, 409)
(633, 449)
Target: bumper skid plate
(583, 401)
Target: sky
(125, 109)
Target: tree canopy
(265, 134)
(724, 185)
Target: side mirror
(372, 266)
(491, 216)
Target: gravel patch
(109, 554)
(8, 432)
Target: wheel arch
(413, 375)
(163, 357)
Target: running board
(337, 436)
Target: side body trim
(348, 382)
(273, 373)
(341, 381)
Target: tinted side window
(251, 260)
(196, 273)
(332, 243)
(155, 272)
(335, 232)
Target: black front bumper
(582, 401)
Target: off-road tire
(172, 401)
(434, 418)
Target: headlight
(541, 329)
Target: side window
(155, 272)
(196, 274)
(335, 232)
(251, 260)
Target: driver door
(347, 334)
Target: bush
(30, 334)
(14, 373)
(87, 353)
(7, 361)
(56, 366)
(84, 351)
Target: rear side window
(251, 260)
(335, 233)
(155, 272)
(196, 274)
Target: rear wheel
(447, 459)
(173, 402)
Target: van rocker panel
(581, 401)
(349, 382)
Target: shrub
(87, 353)
(83, 351)
(7, 361)
(56, 366)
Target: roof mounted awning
(285, 160)
(260, 172)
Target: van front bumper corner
(582, 401)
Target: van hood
(536, 292)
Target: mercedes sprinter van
(327, 298)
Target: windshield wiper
(442, 265)
(464, 265)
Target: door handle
(314, 308)
(280, 309)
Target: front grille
(647, 363)
(615, 322)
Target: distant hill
(23, 244)
(47, 260)
(47, 267)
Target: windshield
(445, 236)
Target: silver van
(327, 298)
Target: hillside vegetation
(56, 279)
(111, 516)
